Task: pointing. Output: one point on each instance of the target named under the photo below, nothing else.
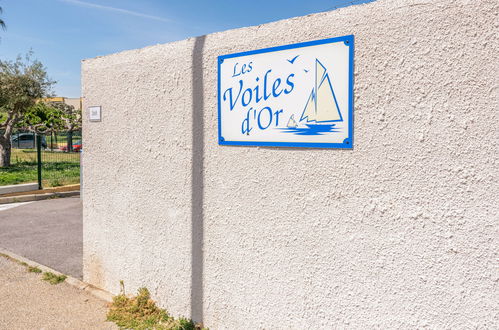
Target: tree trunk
(5, 149)
(5, 142)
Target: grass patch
(30, 156)
(34, 269)
(58, 168)
(56, 182)
(140, 312)
(53, 278)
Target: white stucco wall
(400, 232)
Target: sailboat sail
(292, 122)
(320, 72)
(327, 109)
(321, 105)
(310, 107)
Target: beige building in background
(400, 232)
(76, 102)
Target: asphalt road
(48, 232)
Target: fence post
(69, 138)
(39, 158)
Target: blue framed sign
(298, 95)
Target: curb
(17, 188)
(94, 291)
(37, 197)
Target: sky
(63, 32)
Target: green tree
(70, 119)
(50, 117)
(22, 82)
(42, 118)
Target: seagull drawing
(305, 70)
(293, 59)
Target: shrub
(140, 312)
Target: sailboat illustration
(321, 106)
(321, 112)
(292, 122)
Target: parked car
(76, 146)
(26, 141)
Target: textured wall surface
(399, 232)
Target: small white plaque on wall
(94, 113)
(298, 95)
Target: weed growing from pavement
(53, 278)
(47, 276)
(34, 269)
(12, 259)
(141, 312)
(22, 263)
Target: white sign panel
(298, 95)
(94, 113)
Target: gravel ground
(28, 302)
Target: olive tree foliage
(49, 117)
(22, 82)
(69, 120)
(69, 117)
(2, 23)
(41, 118)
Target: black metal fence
(53, 157)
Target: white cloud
(114, 9)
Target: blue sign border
(347, 143)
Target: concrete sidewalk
(28, 302)
(48, 232)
